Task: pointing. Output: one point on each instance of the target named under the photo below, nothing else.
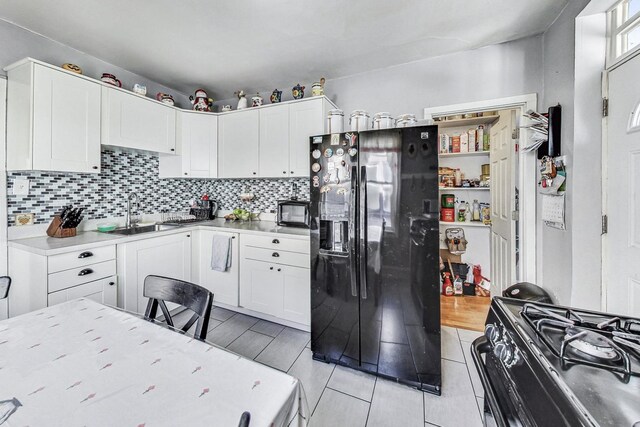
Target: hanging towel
(221, 253)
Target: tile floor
(339, 396)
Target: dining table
(81, 363)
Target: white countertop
(44, 245)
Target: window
(624, 30)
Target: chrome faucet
(131, 198)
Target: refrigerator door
(334, 236)
(399, 282)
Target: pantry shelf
(465, 224)
(464, 188)
(484, 120)
(469, 154)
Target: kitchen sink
(145, 229)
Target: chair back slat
(189, 295)
(5, 284)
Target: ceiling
(260, 44)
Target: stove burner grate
(590, 343)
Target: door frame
(4, 262)
(527, 175)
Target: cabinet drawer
(103, 291)
(80, 258)
(76, 276)
(278, 243)
(277, 257)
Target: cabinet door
(305, 120)
(66, 122)
(261, 287)
(296, 298)
(224, 285)
(238, 138)
(274, 141)
(168, 256)
(103, 291)
(198, 142)
(133, 121)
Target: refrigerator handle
(363, 232)
(352, 230)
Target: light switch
(21, 187)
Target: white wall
(18, 43)
(555, 257)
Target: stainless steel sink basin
(146, 229)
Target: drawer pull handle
(275, 241)
(233, 237)
(275, 254)
(85, 255)
(279, 269)
(270, 268)
(112, 283)
(85, 272)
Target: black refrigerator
(375, 298)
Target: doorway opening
(488, 196)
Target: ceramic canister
(335, 121)
(359, 120)
(382, 121)
(256, 101)
(406, 120)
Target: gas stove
(542, 365)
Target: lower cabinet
(104, 291)
(223, 285)
(168, 256)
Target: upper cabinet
(306, 119)
(134, 121)
(53, 119)
(274, 141)
(238, 136)
(196, 146)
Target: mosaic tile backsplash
(104, 195)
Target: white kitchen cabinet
(223, 285)
(53, 119)
(262, 287)
(138, 122)
(306, 119)
(274, 141)
(104, 291)
(296, 294)
(196, 147)
(238, 136)
(168, 256)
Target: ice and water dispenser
(334, 223)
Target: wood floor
(465, 312)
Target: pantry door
(503, 202)
(622, 190)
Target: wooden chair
(245, 419)
(196, 298)
(5, 284)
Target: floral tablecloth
(85, 364)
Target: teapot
(297, 91)
(276, 96)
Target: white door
(502, 158)
(274, 141)
(103, 291)
(133, 121)
(261, 287)
(168, 256)
(305, 120)
(296, 298)
(622, 191)
(223, 285)
(4, 309)
(238, 135)
(66, 122)
(198, 133)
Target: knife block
(55, 229)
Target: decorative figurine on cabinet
(297, 91)
(317, 89)
(201, 102)
(256, 101)
(165, 98)
(242, 100)
(276, 96)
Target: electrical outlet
(21, 187)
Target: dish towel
(221, 253)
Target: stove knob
(492, 332)
(504, 352)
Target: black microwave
(293, 213)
